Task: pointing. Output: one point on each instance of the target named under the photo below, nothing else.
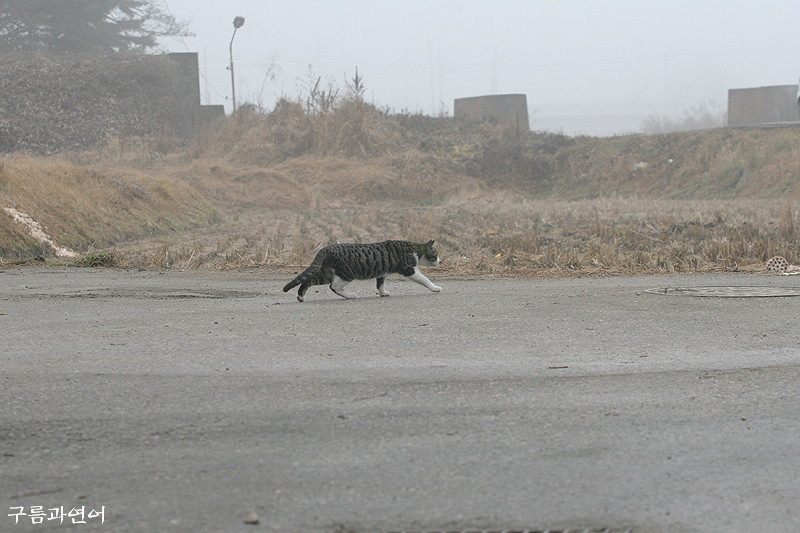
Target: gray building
(189, 115)
(500, 108)
(771, 106)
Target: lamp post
(238, 22)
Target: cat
(339, 264)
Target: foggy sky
(595, 67)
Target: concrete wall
(501, 108)
(211, 112)
(763, 106)
(190, 114)
(186, 116)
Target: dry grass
(86, 208)
(497, 235)
(710, 164)
(267, 190)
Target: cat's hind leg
(301, 292)
(420, 278)
(338, 285)
(381, 282)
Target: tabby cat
(339, 264)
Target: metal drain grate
(729, 292)
(537, 530)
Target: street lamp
(238, 22)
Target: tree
(85, 26)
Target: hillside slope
(270, 188)
(709, 164)
(427, 159)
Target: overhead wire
(186, 46)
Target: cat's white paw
(300, 298)
(436, 288)
(384, 293)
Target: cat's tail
(308, 273)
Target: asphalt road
(186, 401)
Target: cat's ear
(429, 243)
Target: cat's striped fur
(339, 264)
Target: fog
(587, 66)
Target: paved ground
(187, 401)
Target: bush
(99, 259)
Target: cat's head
(428, 255)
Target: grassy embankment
(270, 189)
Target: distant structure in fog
(500, 108)
(764, 107)
(190, 114)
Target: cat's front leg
(420, 278)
